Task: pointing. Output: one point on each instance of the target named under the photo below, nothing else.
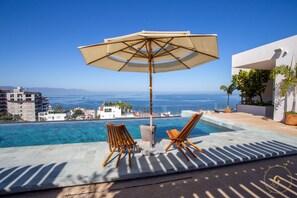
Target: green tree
(9, 117)
(5, 117)
(251, 83)
(123, 105)
(17, 117)
(59, 109)
(78, 112)
(289, 81)
(229, 89)
(241, 80)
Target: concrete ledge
(266, 111)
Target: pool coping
(86, 120)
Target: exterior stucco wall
(282, 52)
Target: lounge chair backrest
(118, 136)
(112, 138)
(185, 132)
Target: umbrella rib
(194, 50)
(133, 53)
(132, 56)
(111, 53)
(136, 49)
(174, 57)
(166, 52)
(162, 47)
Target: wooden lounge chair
(179, 138)
(120, 139)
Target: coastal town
(19, 105)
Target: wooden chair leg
(108, 157)
(118, 162)
(129, 153)
(196, 147)
(169, 145)
(181, 150)
(137, 149)
(184, 145)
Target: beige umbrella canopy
(152, 52)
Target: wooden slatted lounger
(120, 139)
(179, 138)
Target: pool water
(31, 134)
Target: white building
(51, 116)
(26, 104)
(267, 57)
(88, 113)
(109, 112)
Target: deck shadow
(28, 178)
(43, 176)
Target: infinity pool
(32, 134)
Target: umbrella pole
(151, 105)
(151, 94)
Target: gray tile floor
(42, 167)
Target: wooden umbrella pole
(151, 95)
(151, 90)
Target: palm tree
(289, 81)
(229, 89)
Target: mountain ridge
(49, 90)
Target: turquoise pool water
(31, 134)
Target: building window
(107, 110)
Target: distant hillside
(7, 87)
(46, 91)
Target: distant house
(144, 115)
(166, 114)
(51, 116)
(109, 112)
(267, 57)
(87, 113)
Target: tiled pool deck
(42, 167)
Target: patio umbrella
(152, 52)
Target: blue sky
(39, 39)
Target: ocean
(162, 102)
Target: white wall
(282, 52)
(115, 112)
(47, 116)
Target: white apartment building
(109, 112)
(51, 116)
(26, 104)
(267, 57)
